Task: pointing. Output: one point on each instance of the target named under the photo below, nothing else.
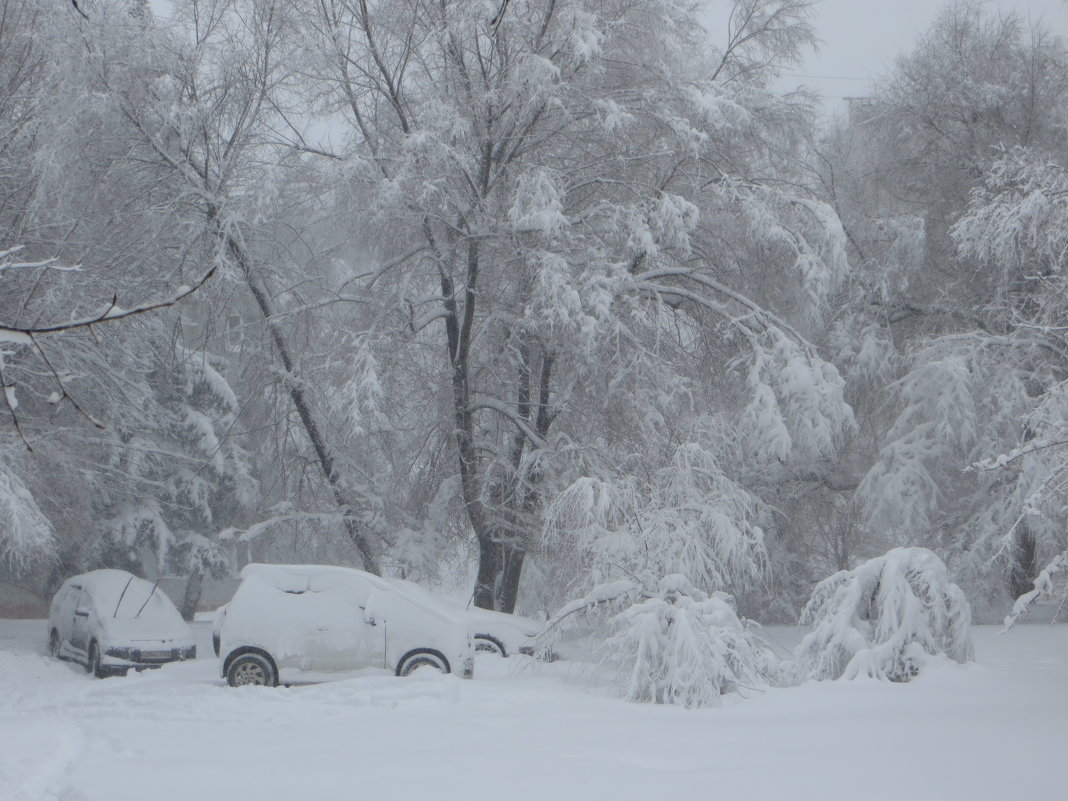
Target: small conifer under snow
(884, 619)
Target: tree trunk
(511, 572)
(489, 568)
(500, 566)
(503, 548)
(1024, 569)
(193, 588)
(300, 403)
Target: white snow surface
(529, 730)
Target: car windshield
(117, 594)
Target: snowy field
(525, 730)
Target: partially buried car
(290, 624)
(493, 632)
(111, 621)
(499, 633)
(505, 634)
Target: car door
(82, 612)
(345, 636)
(62, 616)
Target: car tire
(54, 644)
(488, 644)
(413, 660)
(251, 670)
(93, 664)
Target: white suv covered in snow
(296, 623)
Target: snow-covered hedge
(884, 619)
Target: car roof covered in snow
(298, 578)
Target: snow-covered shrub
(684, 647)
(883, 619)
(676, 645)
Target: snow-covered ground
(526, 730)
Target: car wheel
(251, 670)
(413, 660)
(93, 666)
(487, 644)
(53, 644)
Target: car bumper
(144, 658)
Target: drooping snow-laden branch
(261, 527)
(509, 414)
(27, 335)
(8, 263)
(610, 595)
(1043, 586)
(23, 335)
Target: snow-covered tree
(203, 102)
(85, 293)
(1015, 226)
(884, 619)
(940, 336)
(593, 225)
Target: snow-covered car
(493, 632)
(500, 633)
(216, 628)
(297, 623)
(111, 621)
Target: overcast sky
(861, 39)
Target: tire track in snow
(37, 779)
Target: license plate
(155, 654)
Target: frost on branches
(884, 619)
(675, 644)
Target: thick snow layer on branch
(538, 204)
(689, 517)
(25, 533)
(797, 409)
(884, 619)
(1043, 587)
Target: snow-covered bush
(883, 619)
(675, 645)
